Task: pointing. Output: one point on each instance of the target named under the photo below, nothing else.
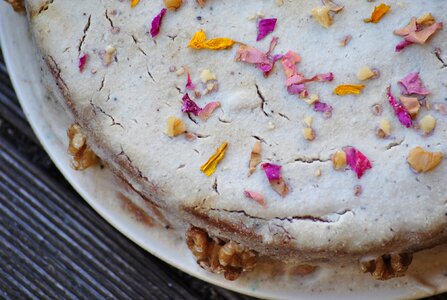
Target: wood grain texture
(54, 246)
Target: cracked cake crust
(122, 104)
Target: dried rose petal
(82, 61)
(257, 197)
(411, 27)
(156, 22)
(263, 61)
(206, 112)
(289, 61)
(421, 36)
(357, 161)
(190, 106)
(297, 89)
(265, 26)
(412, 84)
(272, 171)
(322, 107)
(402, 45)
(189, 85)
(401, 112)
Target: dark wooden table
(54, 246)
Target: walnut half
(387, 266)
(218, 256)
(17, 5)
(83, 156)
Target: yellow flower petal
(134, 3)
(210, 166)
(346, 89)
(378, 13)
(199, 41)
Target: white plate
(427, 275)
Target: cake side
(303, 233)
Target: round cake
(305, 131)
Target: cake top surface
(130, 83)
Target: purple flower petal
(357, 161)
(401, 112)
(412, 84)
(190, 106)
(82, 61)
(402, 45)
(272, 171)
(156, 23)
(265, 26)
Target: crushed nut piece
(309, 134)
(317, 173)
(308, 121)
(384, 129)
(377, 109)
(345, 40)
(109, 55)
(332, 6)
(207, 75)
(387, 266)
(411, 104)
(427, 124)
(175, 127)
(339, 160)
(365, 73)
(322, 16)
(218, 256)
(422, 161)
(83, 156)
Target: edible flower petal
(289, 61)
(82, 61)
(199, 41)
(255, 158)
(378, 13)
(256, 196)
(421, 36)
(206, 112)
(210, 166)
(401, 112)
(156, 23)
(265, 26)
(273, 173)
(402, 45)
(190, 106)
(346, 89)
(411, 27)
(263, 61)
(322, 107)
(357, 161)
(189, 85)
(134, 3)
(412, 84)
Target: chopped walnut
(172, 4)
(218, 256)
(411, 104)
(83, 156)
(309, 134)
(339, 160)
(17, 5)
(175, 127)
(387, 266)
(365, 73)
(384, 129)
(427, 124)
(333, 6)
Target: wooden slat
(54, 246)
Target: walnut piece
(422, 161)
(17, 5)
(218, 256)
(83, 156)
(339, 160)
(172, 4)
(427, 124)
(175, 127)
(387, 266)
(411, 104)
(322, 16)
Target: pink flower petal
(402, 45)
(257, 197)
(272, 171)
(411, 27)
(401, 112)
(189, 85)
(421, 36)
(297, 89)
(190, 106)
(412, 84)
(322, 107)
(206, 112)
(289, 61)
(156, 23)
(357, 161)
(82, 61)
(251, 55)
(265, 26)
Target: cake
(303, 131)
